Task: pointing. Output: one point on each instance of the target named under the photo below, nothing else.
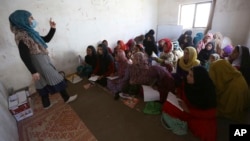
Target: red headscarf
(122, 45)
(168, 44)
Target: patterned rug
(58, 123)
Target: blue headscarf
(199, 36)
(20, 20)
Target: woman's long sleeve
(25, 56)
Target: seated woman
(120, 46)
(166, 58)
(105, 65)
(161, 80)
(204, 54)
(138, 73)
(202, 43)
(197, 98)
(117, 85)
(213, 57)
(198, 37)
(240, 58)
(107, 45)
(186, 39)
(89, 62)
(218, 39)
(231, 89)
(187, 61)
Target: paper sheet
(112, 77)
(94, 78)
(174, 100)
(74, 78)
(150, 94)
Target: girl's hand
(36, 76)
(52, 23)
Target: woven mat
(58, 123)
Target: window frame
(195, 10)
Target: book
(174, 100)
(150, 94)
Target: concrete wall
(79, 24)
(231, 17)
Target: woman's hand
(52, 23)
(36, 76)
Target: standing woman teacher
(33, 52)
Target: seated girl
(197, 99)
(204, 54)
(88, 64)
(138, 73)
(231, 89)
(213, 57)
(240, 58)
(105, 65)
(117, 85)
(186, 62)
(166, 57)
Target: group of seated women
(210, 79)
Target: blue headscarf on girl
(20, 20)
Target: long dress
(231, 89)
(202, 123)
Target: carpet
(58, 123)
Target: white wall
(79, 24)
(231, 17)
(248, 39)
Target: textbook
(174, 100)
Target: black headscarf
(185, 39)
(204, 54)
(201, 94)
(91, 60)
(105, 59)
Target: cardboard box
(19, 105)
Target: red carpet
(59, 123)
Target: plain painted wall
(231, 18)
(79, 23)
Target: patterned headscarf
(138, 70)
(19, 20)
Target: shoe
(51, 104)
(71, 98)
(125, 96)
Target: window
(194, 15)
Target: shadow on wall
(66, 61)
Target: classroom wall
(79, 24)
(231, 17)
